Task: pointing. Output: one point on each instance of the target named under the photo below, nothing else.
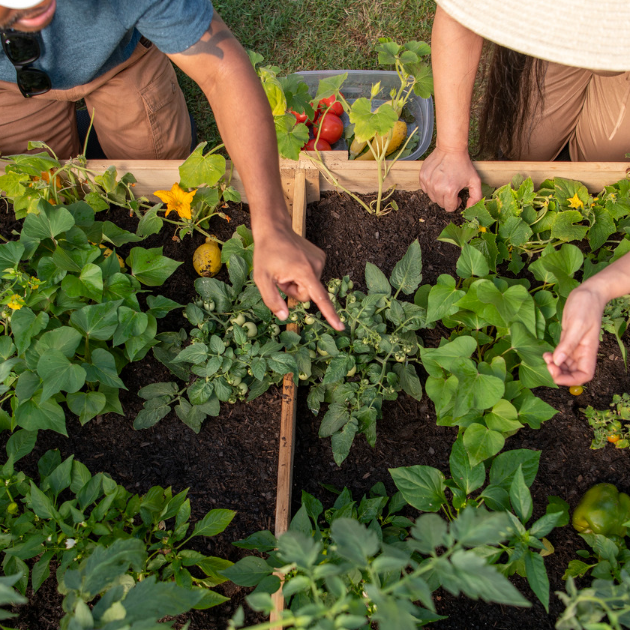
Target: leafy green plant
(350, 575)
(480, 379)
(70, 319)
(615, 321)
(122, 603)
(606, 602)
(8, 596)
(237, 350)
(510, 476)
(610, 425)
(71, 516)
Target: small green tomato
(250, 329)
(235, 380)
(321, 351)
(242, 389)
(274, 330)
(312, 353)
(399, 356)
(352, 371)
(294, 317)
(309, 320)
(350, 285)
(12, 508)
(209, 306)
(239, 320)
(302, 376)
(232, 400)
(306, 305)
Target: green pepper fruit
(602, 510)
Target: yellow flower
(16, 302)
(575, 202)
(177, 200)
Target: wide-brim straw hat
(592, 34)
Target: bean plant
(70, 516)
(237, 350)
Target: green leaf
(214, 522)
(199, 170)
(248, 572)
(475, 390)
(506, 464)
(20, 444)
(354, 542)
(520, 497)
(367, 124)
(291, 137)
(40, 503)
(407, 274)
(342, 441)
(160, 306)
(603, 227)
(131, 324)
(474, 527)
(442, 299)
(515, 231)
(59, 374)
(86, 405)
(102, 369)
(149, 266)
(482, 443)
(409, 380)
(503, 417)
(558, 505)
(532, 410)
(150, 223)
(421, 486)
(97, 321)
(376, 280)
(468, 478)
(25, 325)
(533, 371)
(10, 254)
(61, 477)
(472, 263)
(335, 418)
(49, 223)
(147, 418)
(564, 228)
(33, 415)
(537, 576)
(117, 236)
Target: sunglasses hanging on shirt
(22, 50)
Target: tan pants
(140, 112)
(589, 111)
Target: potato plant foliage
(237, 350)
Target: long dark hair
(511, 80)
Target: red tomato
(322, 145)
(301, 118)
(336, 107)
(332, 128)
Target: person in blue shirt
(116, 55)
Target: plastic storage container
(359, 84)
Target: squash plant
(71, 515)
(70, 319)
(237, 350)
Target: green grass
(312, 35)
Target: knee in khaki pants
(140, 112)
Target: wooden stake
(289, 403)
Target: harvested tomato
(335, 106)
(301, 118)
(331, 126)
(322, 145)
(576, 390)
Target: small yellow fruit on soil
(399, 133)
(207, 259)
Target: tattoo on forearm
(209, 43)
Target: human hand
(573, 361)
(286, 261)
(443, 174)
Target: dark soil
(232, 462)
(408, 435)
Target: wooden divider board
(286, 447)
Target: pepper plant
(70, 319)
(352, 575)
(237, 350)
(511, 474)
(71, 515)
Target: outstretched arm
(282, 259)
(455, 54)
(573, 361)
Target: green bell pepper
(602, 510)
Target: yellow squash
(207, 259)
(399, 133)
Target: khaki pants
(140, 112)
(588, 111)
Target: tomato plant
(610, 425)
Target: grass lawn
(313, 35)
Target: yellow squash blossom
(575, 202)
(177, 200)
(16, 302)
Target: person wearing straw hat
(55, 52)
(558, 81)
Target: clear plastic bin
(359, 84)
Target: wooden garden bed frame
(302, 183)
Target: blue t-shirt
(86, 38)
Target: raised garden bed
(233, 463)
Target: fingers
(474, 192)
(319, 295)
(272, 299)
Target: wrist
(598, 292)
(452, 147)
